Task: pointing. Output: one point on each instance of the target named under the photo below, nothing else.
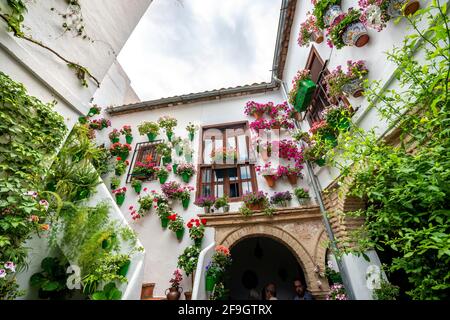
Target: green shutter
(304, 94)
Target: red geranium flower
(203, 221)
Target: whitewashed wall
(374, 53)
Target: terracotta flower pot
(147, 290)
(188, 295)
(270, 180)
(258, 115)
(395, 7)
(255, 206)
(355, 35)
(174, 293)
(292, 178)
(151, 136)
(318, 37)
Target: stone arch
(305, 257)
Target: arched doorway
(258, 261)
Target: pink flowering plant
(120, 191)
(337, 292)
(99, 124)
(186, 168)
(340, 24)
(299, 77)
(126, 130)
(252, 108)
(254, 198)
(171, 189)
(176, 279)
(374, 13)
(260, 124)
(307, 29)
(205, 202)
(144, 169)
(115, 134)
(267, 170)
(118, 148)
(337, 79)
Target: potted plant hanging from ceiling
(376, 13)
(126, 131)
(309, 31)
(168, 123)
(351, 83)
(151, 129)
(348, 30)
(326, 12)
(302, 90)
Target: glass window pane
(219, 190)
(206, 190)
(233, 174)
(243, 150)
(231, 141)
(245, 172)
(234, 190)
(219, 175)
(207, 151)
(206, 175)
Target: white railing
(199, 289)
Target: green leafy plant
(221, 202)
(187, 261)
(320, 8)
(148, 127)
(387, 291)
(109, 292)
(51, 281)
(336, 31)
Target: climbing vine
(407, 186)
(14, 20)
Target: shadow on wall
(259, 261)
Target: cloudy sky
(184, 46)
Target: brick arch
(305, 258)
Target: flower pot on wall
(317, 37)
(320, 162)
(166, 160)
(395, 7)
(120, 198)
(169, 135)
(304, 95)
(124, 155)
(354, 87)
(124, 268)
(198, 242)
(270, 180)
(292, 178)
(129, 139)
(258, 115)
(186, 177)
(355, 35)
(185, 203)
(180, 234)
(115, 140)
(331, 14)
(138, 188)
(191, 136)
(164, 222)
(163, 179)
(151, 136)
(210, 282)
(174, 167)
(174, 293)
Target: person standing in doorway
(270, 292)
(300, 291)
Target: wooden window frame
(138, 155)
(226, 183)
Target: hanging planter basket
(138, 188)
(186, 177)
(354, 87)
(151, 136)
(395, 7)
(120, 198)
(210, 282)
(270, 180)
(292, 178)
(356, 35)
(129, 139)
(185, 203)
(163, 179)
(180, 234)
(164, 222)
(304, 95)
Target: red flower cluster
(173, 217)
(222, 249)
(126, 130)
(316, 126)
(120, 191)
(197, 222)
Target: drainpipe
(318, 195)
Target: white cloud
(184, 46)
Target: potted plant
(326, 12)
(168, 123)
(222, 202)
(177, 143)
(259, 124)
(269, 173)
(120, 195)
(187, 261)
(255, 109)
(126, 131)
(186, 171)
(302, 195)
(115, 182)
(164, 211)
(94, 110)
(309, 32)
(114, 136)
(301, 136)
(376, 13)
(281, 198)
(338, 117)
(188, 151)
(197, 230)
(162, 174)
(206, 203)
(121, 166)
(120, 150)
(137, 185)
(348, 30)
(315, 152)
(322, 131)
(176, 224)
(145, 204)
(351, 83)
(191, 129)
(143, 170)
(184, 194)
(302, 90)
(337, 292)
(215, 270)
(151, 129)
(165, 152)
(174, 290)
(171, 189)
(99, 124)
(256, 200)
(224, 155)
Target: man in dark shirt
(300, 292)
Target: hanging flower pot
(124, 155)
(270, 180)
(320, 162)
(191, 136)
(164, 222)
(257, 114)
(186, 177)
(198, 242)
(185, 203)
(292, 178)
(115, 140)
(169, 135)
(151, 136)
(138, 188)
(124, 268)
(317, 37)
(120, 198)
(355, 35)
(163, 179)
(174, 293)
(166, 160)
(331, 14)
(409, 7)
(180, 234)
(304, 94)
(354, 87)
(210, 282)
(129, 139)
